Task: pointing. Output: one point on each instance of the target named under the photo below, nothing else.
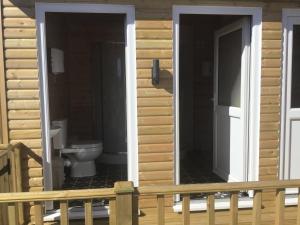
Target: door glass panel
(229, 69)
(295, 96)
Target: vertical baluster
(160, 209)
(186, 209)
(88, 212)
(18, 169)
(279, 217)
(112, 211)
(298, 211)
(211, 208)
(38, 213)
(234, 208)
(64, 214)
(257, 207)
(3, 184)
(12, 214)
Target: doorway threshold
(220, 204)
(77, 213)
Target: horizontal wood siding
(155, 102)
(155, 107)
(23, 89)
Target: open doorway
(213, 99)
(87, 99)
(54, 23)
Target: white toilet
(81, 154)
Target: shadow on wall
(165, 81)
(26, 7)
(31, 165)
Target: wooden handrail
(217, 187)
(57, 195)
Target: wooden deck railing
(123, 198)
(233, 188)
(120, 197)
(10, 178)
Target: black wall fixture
(155, 71)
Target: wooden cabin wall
(155, 103)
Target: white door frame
(287, 14)
(255, 77)
(131, 92)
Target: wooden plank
(155, 111)
(26, 134)
(154, 24)
(12, 214)
(64, 214)
(257, 200)
(19, 33)
(155, 120)
(24, 104)
(3, 104)
(18, 12)
(12, 175)
(88, 212)
(160, 209)
(211, 209)
(19, 22)
(24, 114)
(147, 34)
(22, 74)
(218, 187)
(186, 209)
(57, 195)
(112, 211)
(124, 202)
(38, 213)
(154, 44)
(298, 209)
(156, 139)
(23, 94)
(280, 197)
(156, 166)
(3, 188)
(234, 208)
(21, 53)
(21, 64)
(148, 130)
(24, 124)
(19, 181)
(20, 43)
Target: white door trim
(255, 77)
(287, 14)
(131, 92)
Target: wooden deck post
(125, 213)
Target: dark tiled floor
(196, 167)
(106, 176)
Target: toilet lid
(86, 144)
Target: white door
(231, 79)
(291, 133)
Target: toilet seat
(87, 144)
(83, 146)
